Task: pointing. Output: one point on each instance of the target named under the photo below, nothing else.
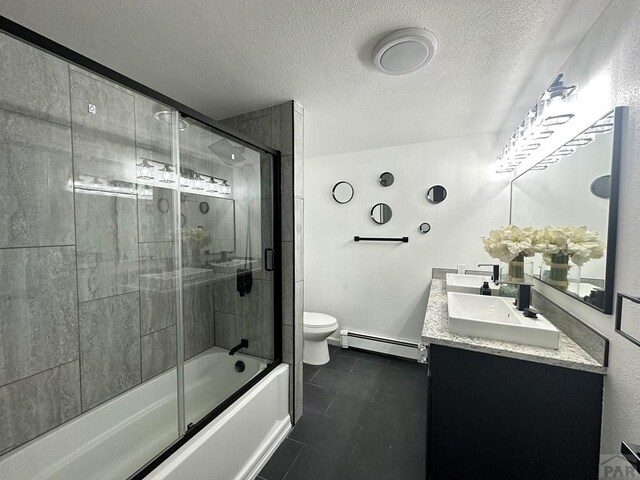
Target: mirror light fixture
(553, 108)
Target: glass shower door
(227, 283)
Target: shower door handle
(268, 259)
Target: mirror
(220, 214)
(437, 194)
(342, 192)
(386, 179)
(381, 213)
(575, 186)
(424, 227)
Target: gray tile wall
(87, 294)
(282, 127)
(85, 312)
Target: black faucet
(523, 298)
(244, 343)
(496, 271)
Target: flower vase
(516, 269)
(559, 271)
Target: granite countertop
(436, 331)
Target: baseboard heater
(379, 344)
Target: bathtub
(132, 428)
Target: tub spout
(244, 343)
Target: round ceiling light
(404, 51)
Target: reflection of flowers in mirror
(578, 243)
(196, 236)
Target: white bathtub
(115, 439)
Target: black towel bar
(380, 239)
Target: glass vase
(559, 271)
(516, 269)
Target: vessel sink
(496, 318)
(469, 283)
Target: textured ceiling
(227, 57)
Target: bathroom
(263, 259)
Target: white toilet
(317, 328)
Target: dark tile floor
(364, 418)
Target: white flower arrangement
(510, 242)
(578, 243)
(197, 237)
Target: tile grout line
(77, 359)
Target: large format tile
(227, 330)
(370, 415)
(35, 405)
(282, 128)
(280, 462)
(158, 352)
(107, 244)
(341, 382)
(38, 310)
(227, 299)
(384, 457)
(312, 464)
(104, 141)
(288, 284)
(35, 168)
(326, 434)
(259, 128)
(257, 319)
(33, 82)
(286, 197)
(152, 133)
(157, 286)
(317, 398)
(198, 315)
(109, 348)
(155, 214)
(298, 240)
(298, 155)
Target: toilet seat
(319, 320)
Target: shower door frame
(51, 47)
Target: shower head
(227, 152)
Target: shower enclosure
(138, 247)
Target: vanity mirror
(342, 192)
(576, 186)
(381, 213)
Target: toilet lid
(314, 319)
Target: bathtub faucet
(244, 343)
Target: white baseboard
(377, 344)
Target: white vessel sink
(496, 318)
(469, 283)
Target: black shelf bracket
(380, 239)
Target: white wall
(382, 288)
(608, 57)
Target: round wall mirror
(601, 187)
(424, 227)
(386, 179)
(437, 194)
(381, 213)
(342, 192)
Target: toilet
(317, 328)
